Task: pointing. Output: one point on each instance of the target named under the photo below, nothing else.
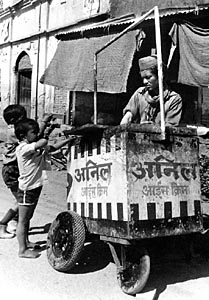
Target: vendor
(144, 105)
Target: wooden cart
(126, 184)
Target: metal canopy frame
(138, 20)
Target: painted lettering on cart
(166, 167)
(93, 170)
(165, 190)
(94, 191)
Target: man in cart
(144, 105)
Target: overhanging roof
(105, 25)
(165, 10)
(118, 7)
(72, 66)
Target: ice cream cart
(127, 184)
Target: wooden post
(160, 69)
(95, 89)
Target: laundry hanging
(192, 43)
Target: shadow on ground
(95, 256)
(40, 229)
(178, 259)
(173, 259)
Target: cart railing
(159, 62)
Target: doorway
(24, 75)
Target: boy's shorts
(10, 174)
(29, 197)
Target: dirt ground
(172, 276)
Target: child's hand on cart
(48, 118)
(74, 139)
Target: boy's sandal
(36, 247)
(33, 246)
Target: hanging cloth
(193, 45)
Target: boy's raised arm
(41, 143)
(45, 122)
(62, 143)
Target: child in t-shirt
(31, 157)
(13, 114)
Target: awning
(119, 22)
(72, 66)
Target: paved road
(95, 276)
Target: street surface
(94, 278)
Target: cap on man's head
(147, 62)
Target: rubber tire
(133, 279)
(65, 241)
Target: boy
(31, 157)
(13, 114)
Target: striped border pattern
(97, 147)
(98, 210)
(112, 211)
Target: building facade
(28, 43)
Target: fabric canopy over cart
(192, 43)
(72, 66)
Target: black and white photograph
(104, 149)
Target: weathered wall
(74, 10)
(31, 28)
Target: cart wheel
(133, 278)
(65, 241)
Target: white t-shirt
(31, 164)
